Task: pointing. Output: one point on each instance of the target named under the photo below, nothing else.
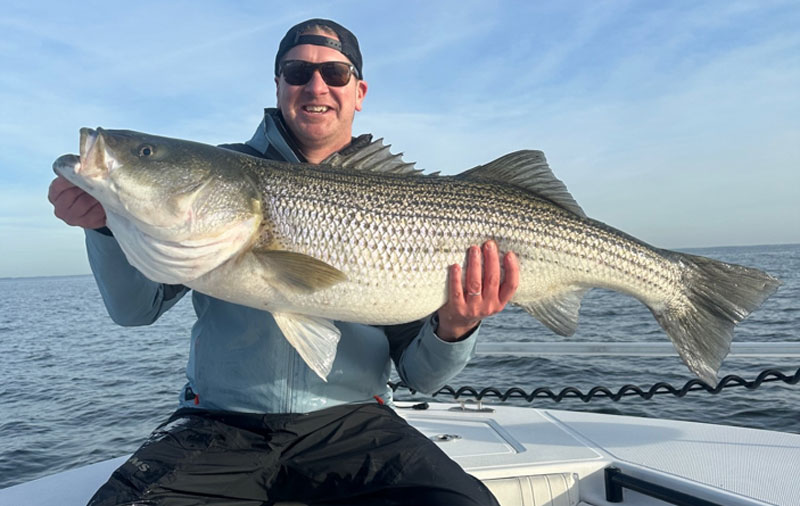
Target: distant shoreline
(18, 278)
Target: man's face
(320, 116)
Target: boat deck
(720, 464)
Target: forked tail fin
(717, 296)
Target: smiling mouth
(316, 109)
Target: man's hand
(74, 206)
(483, 294)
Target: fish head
(169, 188)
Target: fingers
(83, 204)
(71, 204)
(95, 217)
(456, 292)
(482, 280)
(74, 206)
(482, 293)
(491, 271)
(57, 186)
(511, 280)
(474, 275)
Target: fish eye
(146, 150)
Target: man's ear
(361, 92)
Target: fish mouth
(67, 166)
(88, 140)
(94, 163)
(97, 160)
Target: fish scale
(366, 238)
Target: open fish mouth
(88, 140)
(71, 166)
(95, 161)
(92, 166)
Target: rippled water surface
(78, 389)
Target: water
(78, 389)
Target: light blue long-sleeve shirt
(239, 360)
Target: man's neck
(316, 155)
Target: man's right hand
(74, 206)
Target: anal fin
(314, 338)
(558, 311)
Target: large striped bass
(366, 238)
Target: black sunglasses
(334, 73)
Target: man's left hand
(481, 295)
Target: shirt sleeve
(130, 298)
(424, 361)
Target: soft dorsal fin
(529, 170)
(374, 157)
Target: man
(256, 425)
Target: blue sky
(677, 122)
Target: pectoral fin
(314, 338)
(299, 272)
(559, 311)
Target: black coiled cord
(731, 380)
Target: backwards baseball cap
(347, 43)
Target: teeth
(316, 108)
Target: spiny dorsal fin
(374, 157)
(528, 170)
